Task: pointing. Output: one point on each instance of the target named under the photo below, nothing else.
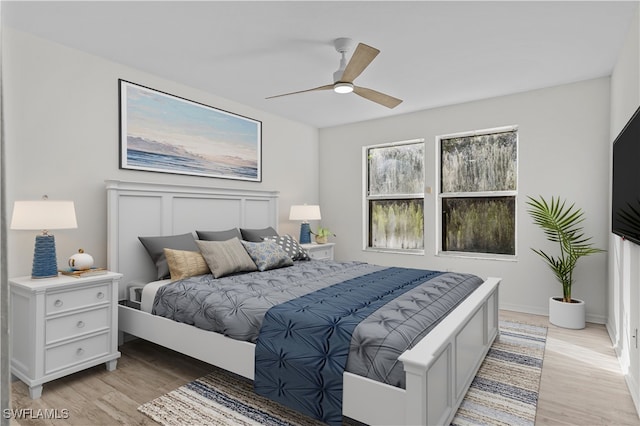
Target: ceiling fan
(344, 76)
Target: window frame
(479, 194)
(366, 198)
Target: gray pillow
(226, 257)
(155, 247)
(257, 235)
(267, 255)
(219, 235)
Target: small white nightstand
(62, 325)
(319, 251)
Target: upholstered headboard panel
(150, 209)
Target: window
(478, 189)
(394, 196)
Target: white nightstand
(62, 325)
(319, 251)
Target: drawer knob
(57, 303)
(79, 351)
(100, 295)
(80, 324)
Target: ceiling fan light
(343, 87)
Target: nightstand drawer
(76, 298)
(75, 324)
(63, 356)
(321, 254)
(319, 251)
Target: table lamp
(305, 213)
(44, 215)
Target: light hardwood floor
(581, 383)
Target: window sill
(394, 251)
(479, 256)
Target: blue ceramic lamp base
(45, 264)
(305, 234)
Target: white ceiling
(432, 53)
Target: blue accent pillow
(267, 255)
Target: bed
(438, 370)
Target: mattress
(149, 294)
(236, 305)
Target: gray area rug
(505, 389)
(504, 392)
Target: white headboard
(151, 209)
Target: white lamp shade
(305, 212)
(44, 214)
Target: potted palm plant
(562, 224)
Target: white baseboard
(596, 319)
(632, 385)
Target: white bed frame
(438, 370)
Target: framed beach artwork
(164, 133)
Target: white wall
(61, 127)
(623, 319)
(563, 134)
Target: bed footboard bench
(439, 369)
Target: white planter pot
(567, 315)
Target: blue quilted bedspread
(303, 344)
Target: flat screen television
(625, 191)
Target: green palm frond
(561, 224)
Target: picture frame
(160, 132)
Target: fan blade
(377, 97)
(326, 87)
(360, 60)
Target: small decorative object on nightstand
(319, 251)
(81, 261)
(322, 235)
(62, 325)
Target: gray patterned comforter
(235, 306)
